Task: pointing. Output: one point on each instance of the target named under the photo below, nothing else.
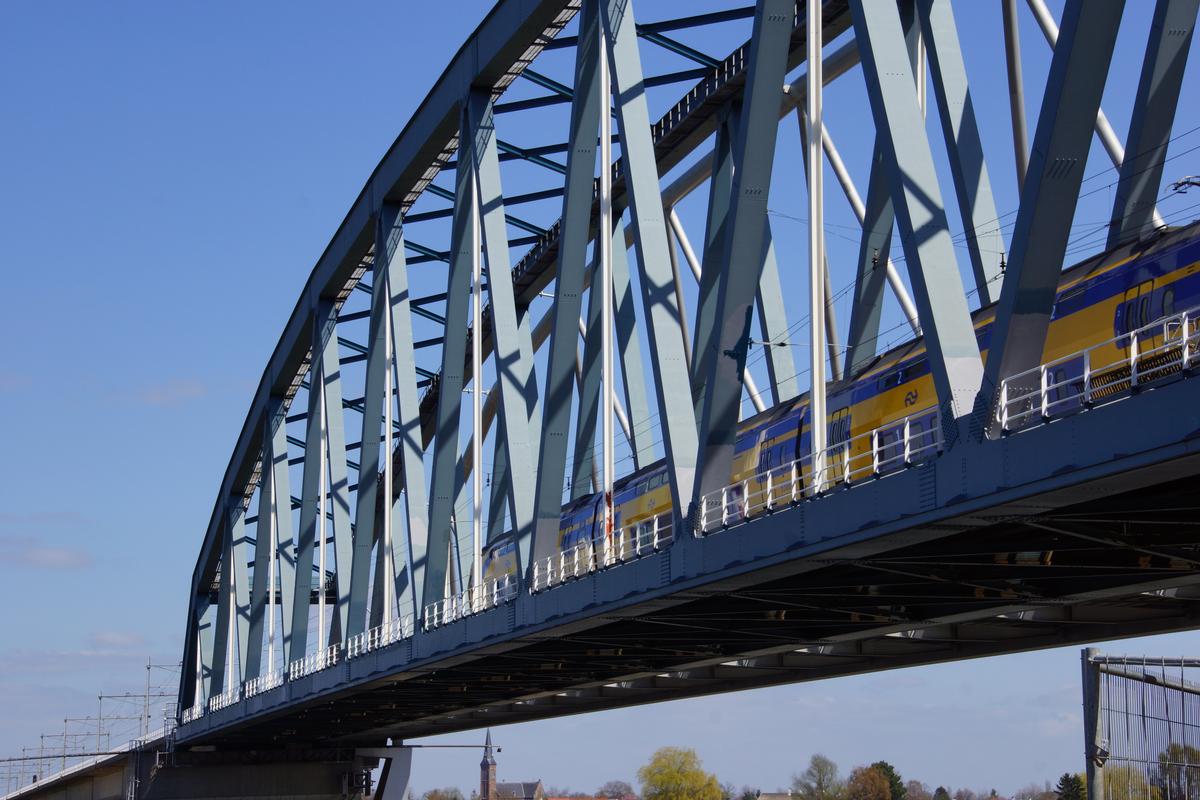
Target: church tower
(487, 771)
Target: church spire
(487, 771)
(488, 758)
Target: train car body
(893, 401)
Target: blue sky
(171, 172)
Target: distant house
(491, 789)
(520, 790)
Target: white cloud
(27, 551)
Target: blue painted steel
(568, 290)
(263, 553)
(1153, 116)
(639, 166)
(704, 343)
(743, 246)
(1060, 150)
(916, 198)
(513, 358)
(629, 353)
(972, 185)
(225, 610)
(281, 506)
(239, 543)
(446, 473)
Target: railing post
(1133, 359)
(1187, 341)
(1002, 412)
(770, 490)
(907, 446)
(1087, 377)
(745, 500)
(655, 531)
(1044, 394)
(795, 482)
(875, 451)
(724, 508)
(846, 462)
(704, 514)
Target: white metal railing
(1161, 349)
(380, 636)
(885, 449)
(265, 683)
(191, 714)
(626, 544)
(225, 699)
(472, 600)
(313, 662)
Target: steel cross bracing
(401, 583)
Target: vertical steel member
(816, 249)
(1134, 214)
(1016, 91)
(1092, 743)
(476, 398)
(604, 242)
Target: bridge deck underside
(1076, 573)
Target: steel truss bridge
(338, 599)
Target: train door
(1138, 313)
(838, 435)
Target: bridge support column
(245, 775)
(396, 773)
(1092, 744)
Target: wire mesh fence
(1146, 740)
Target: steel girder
(950, 342)
(743, 245)
(660, 313)
(639, 173)
(587, 410)
(973, 187)
(409, 447)
(574, 234)
(446, 476)
(512, 348)
(879, 217)
(264, 554)
(502, 48)
(220, 656)
(376, 394)
(1154, 109)
(1060, 150)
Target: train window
(890, 380)
(1168, 301)
(1144, 310)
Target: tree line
(676, 773)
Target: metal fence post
(1092, 744)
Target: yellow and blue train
(1100, 299)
